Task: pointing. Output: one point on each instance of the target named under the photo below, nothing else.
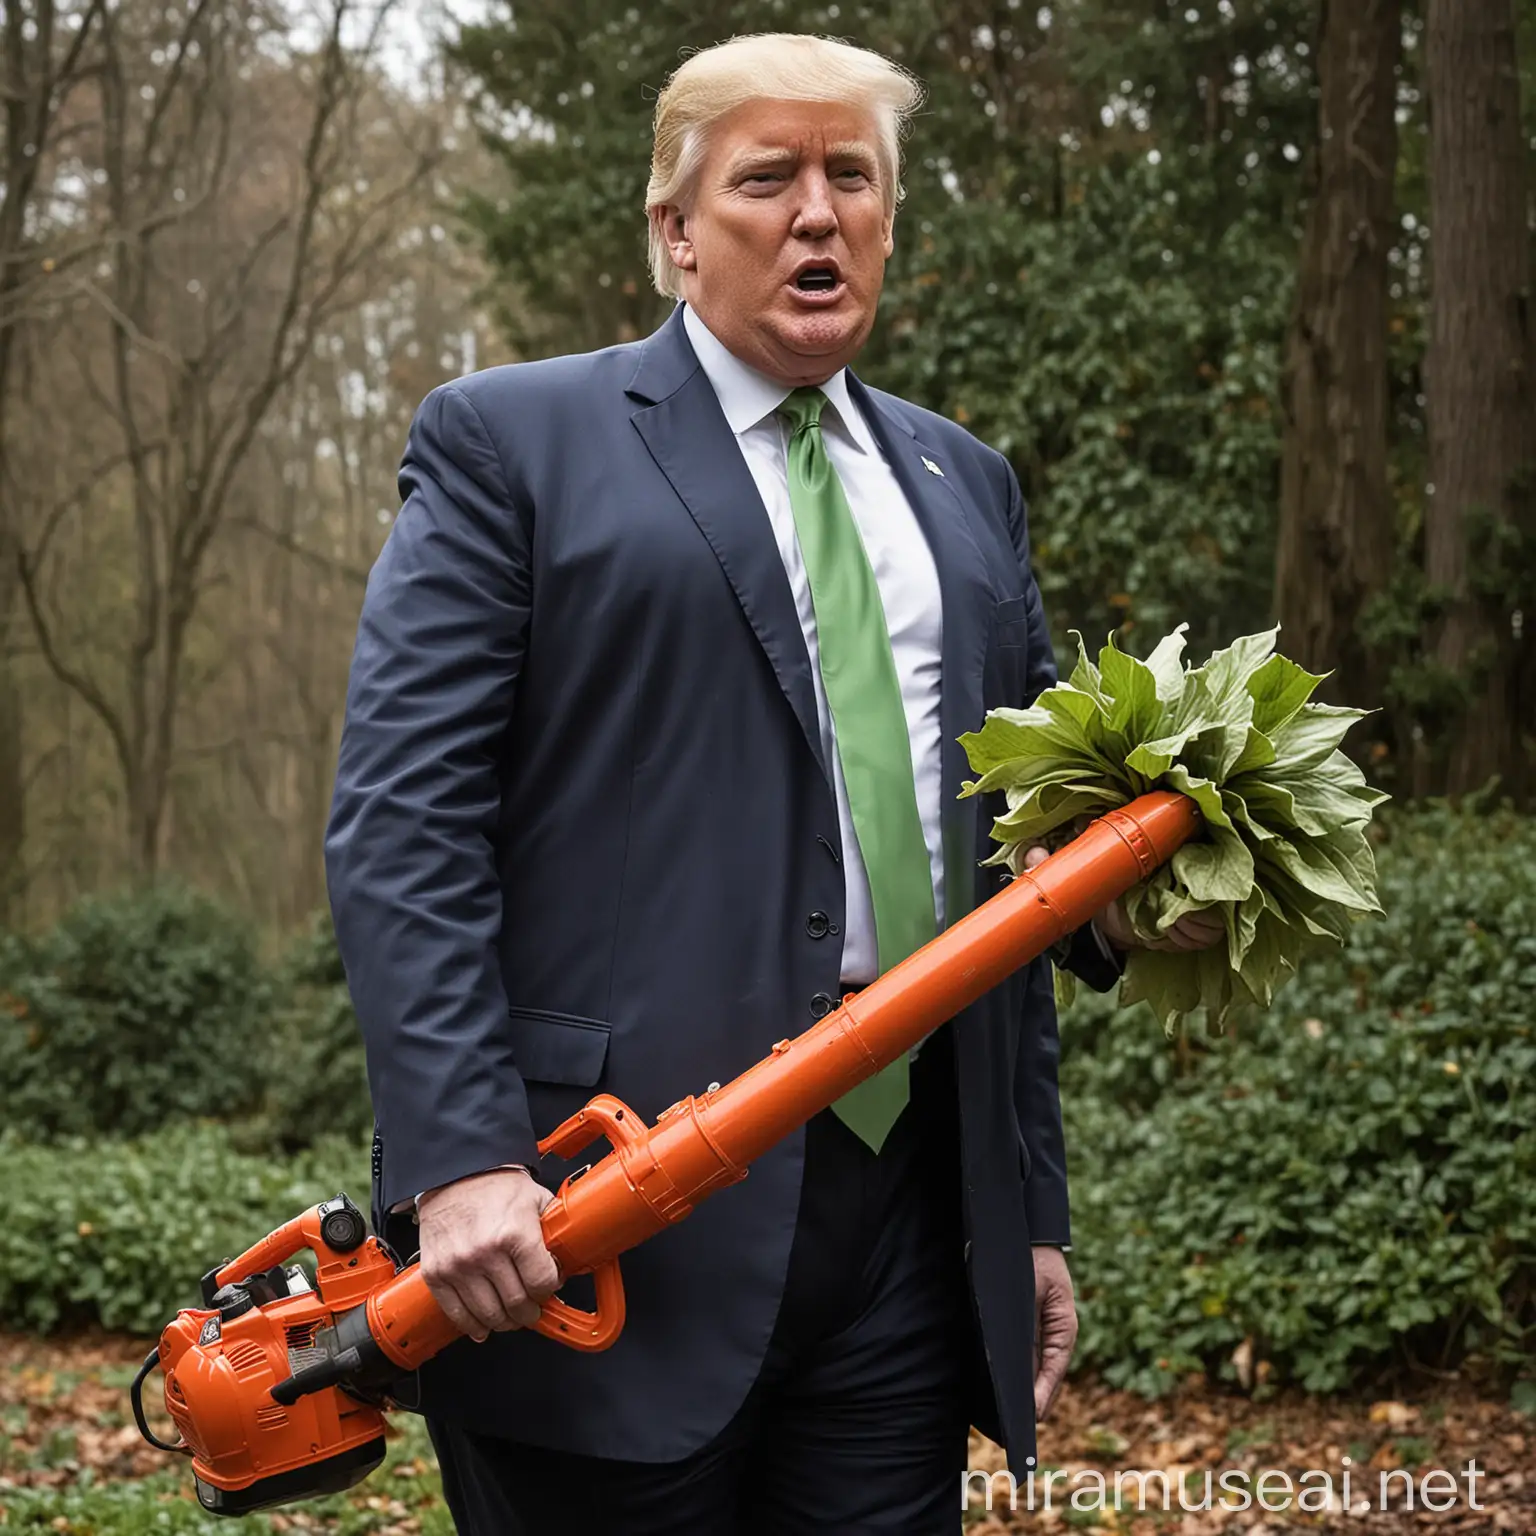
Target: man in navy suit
(617, 809)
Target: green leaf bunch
(1283, 857)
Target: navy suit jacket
(581, 819)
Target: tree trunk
(1478, 527)
(145, 806)
(1336, 520)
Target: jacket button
(818, 925)
(821, 1005)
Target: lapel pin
(932, 468)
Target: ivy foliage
(405, 1492)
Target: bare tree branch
(285, 541)
(75, 498)
(76, 681)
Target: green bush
(315, 1080)
(138, 1009)
(142, 1010)
(119, 1232)
(14, 956)
(1344, 1181)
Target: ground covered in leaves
(72, 1462)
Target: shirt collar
(747, 396)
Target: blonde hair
(777, 66)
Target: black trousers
(857, 1422)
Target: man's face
(783, 250)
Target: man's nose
(816, 215)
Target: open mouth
(817, 280)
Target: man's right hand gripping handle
(482, 1251)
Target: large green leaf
(1227, 673)
(1279, 688)
(1009, 734)
(1313, 734)
(1193, 713)
(1137, 709)
(1166, 667)
(1220, 870)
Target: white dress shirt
(904, 573)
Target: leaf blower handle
(409, 1327)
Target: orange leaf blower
(277, 1384)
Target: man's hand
(482, 1251)
(1195, 930)
(1055, 1325)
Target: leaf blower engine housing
(277, 1385)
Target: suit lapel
(693, 446)
(963, 584)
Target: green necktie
(873, 746)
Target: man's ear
(673, 223)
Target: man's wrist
(499, 1168)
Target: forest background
(1240, 287)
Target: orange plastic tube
(657, 1174)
